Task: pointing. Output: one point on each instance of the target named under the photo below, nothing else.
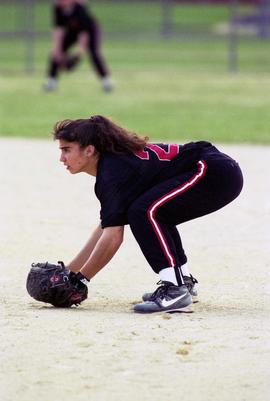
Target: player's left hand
(55, 284)
(71, 61)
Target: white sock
(51, 81)
(168, 274)
(185, 270)
(107, 84)
(50, 84)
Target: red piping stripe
(165, 198)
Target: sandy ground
(102, 350)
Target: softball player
(151, 187)
(74, 24)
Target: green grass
(155, 95)
(168, 89)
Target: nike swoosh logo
(165, 303)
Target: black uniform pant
(213, 183)
(94, 52)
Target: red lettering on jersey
(142, 154)
(162, 154)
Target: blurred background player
(73, 24)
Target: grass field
(170, 89)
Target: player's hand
(71, 61)
(78, 278)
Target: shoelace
(160, 291)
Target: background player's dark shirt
(123, 178)
(78, 20)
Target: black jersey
(77, 20)
(123, 178)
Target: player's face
(65, 3)
(77, 159)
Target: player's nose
(62, 158)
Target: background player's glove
(71, 61)
(56, 285)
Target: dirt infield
(102, 350)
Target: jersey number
(162, 154)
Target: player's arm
(83, 42)
(83, 38)
(106, 247)
(58, 36)
(77, 263)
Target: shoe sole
(182, 310)
(185, 309)
(188, 309)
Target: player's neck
(91, 167)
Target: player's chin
(71, 170)
(74, 169)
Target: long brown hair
(102, 133)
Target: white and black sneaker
(50, 85)
(167, 298)
(107, 84)
(190, 283)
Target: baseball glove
(55, 284)
(70, 62)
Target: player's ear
(90, 150)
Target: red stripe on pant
(165, 198)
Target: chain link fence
(26, 25)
